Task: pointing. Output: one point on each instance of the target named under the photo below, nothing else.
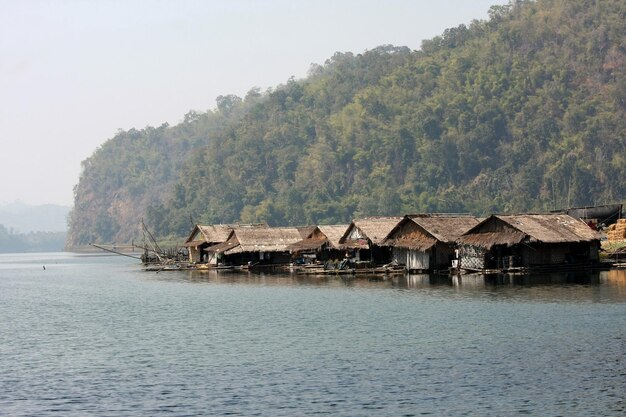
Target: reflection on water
(98, 336)
(597, 286)
(616, 279)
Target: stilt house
(204, 236)
(363, 239)
(426, 242)
(504, 242)
(256, 246)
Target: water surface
(95, 335)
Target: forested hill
(525, 111)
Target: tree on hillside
(522, 112)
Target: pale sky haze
(73, 72)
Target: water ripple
(111, 340)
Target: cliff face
(525, 111)
(122, 178)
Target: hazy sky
(73, 72)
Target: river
(96, 335)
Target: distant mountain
(525, 111)
(24, 218)
(11, 242)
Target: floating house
(321, 244)
(204, 236)
(256, 246)
(426, 242)
(509, 242)
(363, 239)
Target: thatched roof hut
(369, 229)
(423, 231)
(528, 240)
(252, 240)
(334, 233)
(208, 234)
(204, 236)
(322, 236)
(427, 241)
(216, 233)
(514, 229)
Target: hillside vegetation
(523, 112)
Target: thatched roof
(552, 228)
(545, 228)
(224, 246)
(304, 245)
(413, 241)
(374, 229)
(355, 244)
(215, 233)
(422, 231)
(322, 235)
(272, 239)
(333, 233)
(305, 231)
(489, 239)
(445, 228)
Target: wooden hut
(363, 239)
(256, 246)
(204, 236)
(426, 242)
(321, 244)
(504, 242)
